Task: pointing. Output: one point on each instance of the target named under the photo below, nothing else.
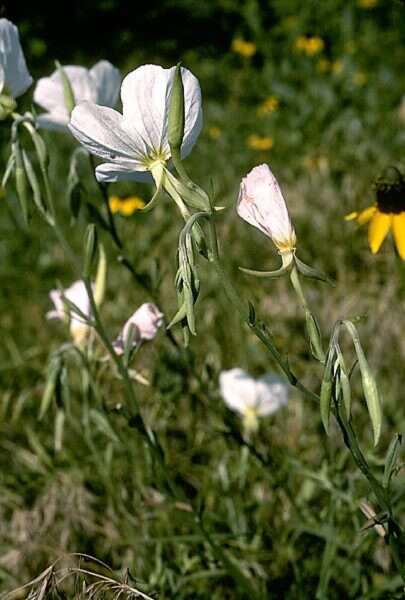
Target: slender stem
(104, 194)
(257, 328)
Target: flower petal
(100, 130)
(106, 80)
(112, 172)
(238, 390)
(53, 121)
(272, 394)
(145, 95)
(378, 229)
(192, 110)
(17, 77)
(398, 230)
(365, 215)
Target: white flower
(261, 204)
(135, 142)
(252, 398)
(77, 295)
(14, 75)
(100, 84)
(146, 322)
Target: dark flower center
(390, 192)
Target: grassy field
(276, 515)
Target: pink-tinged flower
(77, 295)
(261, 204)
(145, 323)
(135, 144)
(100, 84)
(252, 398)
(14, 76)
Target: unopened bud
(67, 88)
(176, 118)
(90, 249)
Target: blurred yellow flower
(260, 142)
(323, 65)
(244, 48)
(268, 106)
(359, 78)
(125, 206)
(367, 3)
(387, 214)
(309, 45)
(214, 132)
(337, 67)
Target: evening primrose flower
(387, 214)
(125, 206)
(145, 323)
(261, 204)
(244, 48)
(252, 398)
(77, 295)
(260, 142)
(100, 85)
(135, 144)
(14, 76)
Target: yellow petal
(398, 229)
(366, 215)
(351, 216)
(377, 232)
(363, 216)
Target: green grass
(282, 518)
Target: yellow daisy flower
(214, 132)
(125, 206)
(387, 214)
(367, 3)
(309, 45)
(268, 106)
(260, 142)
(244, 48)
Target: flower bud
(176, 118)
(262, 205)
(67, 88)
(143, 325)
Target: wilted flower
(77, 295)
(252, 398)
(100, 85)
(262, 205)
(388, 212)
(136, 142)
(260, 142)
(125, 206)
(14, 76)
(244, 48)
(145, 323)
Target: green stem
(242, 308)
(110, 217)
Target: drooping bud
(261, 204)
